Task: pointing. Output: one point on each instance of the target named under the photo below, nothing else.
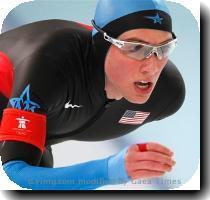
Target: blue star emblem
(157, 18)
(23, 102)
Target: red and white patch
(23, 126)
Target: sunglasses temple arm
(115, 42)
(97, 28)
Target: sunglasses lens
(132, 47)
(140, 51)
(136, 51)
(168, 49)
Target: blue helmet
(123, 15)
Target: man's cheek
(119, 67)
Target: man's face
(125, 75)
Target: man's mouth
(143, 84)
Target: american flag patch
(134, 117)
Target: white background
(6, 6)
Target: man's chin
(138, 99)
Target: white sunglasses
(140, 50)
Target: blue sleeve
(84, 176)
(116, 168)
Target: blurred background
(180, 132)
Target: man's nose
(150, 65)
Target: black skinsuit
(58, 60)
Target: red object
(6, 75)
(88, 27)
(142, 147)
(23, 126)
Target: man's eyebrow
(134, 39)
